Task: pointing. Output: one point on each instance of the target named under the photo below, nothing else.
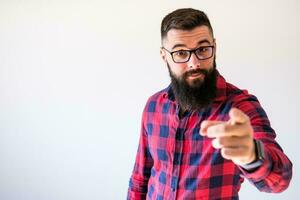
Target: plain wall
(75, 76)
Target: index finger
(227, 130)
(237, 116)
(206, 124)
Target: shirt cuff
(262, 171)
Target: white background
(75, 75)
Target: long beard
(200, 93)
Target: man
(201, 136)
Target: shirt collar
(221, 90)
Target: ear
(163, 54)
(215, 46)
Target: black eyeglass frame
(191, 51)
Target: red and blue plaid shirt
(174, 161)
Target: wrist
(259, 157)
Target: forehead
(190, 39)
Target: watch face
(260, 150)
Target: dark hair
(184, 19)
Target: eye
(203, 49)
(181, 53)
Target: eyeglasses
(182, 56)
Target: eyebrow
(183, 45)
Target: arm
(138, 183)
(276, 172)
(235, 138)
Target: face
(190, 71)
(194, 81)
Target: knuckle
(221, 141)
(223, 128)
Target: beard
(197, 94)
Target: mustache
(195, 71)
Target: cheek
(209, 64)
(178, 69)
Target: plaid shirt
(174, 161)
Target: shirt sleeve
(138, 182)
(275, 173)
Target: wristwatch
(260, 156)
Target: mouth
(196, 75)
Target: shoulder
(157, 99)
(248, 103)
(162, 94)
(237, 95)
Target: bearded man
(201, 136)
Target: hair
(184, 19)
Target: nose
(193, 63)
